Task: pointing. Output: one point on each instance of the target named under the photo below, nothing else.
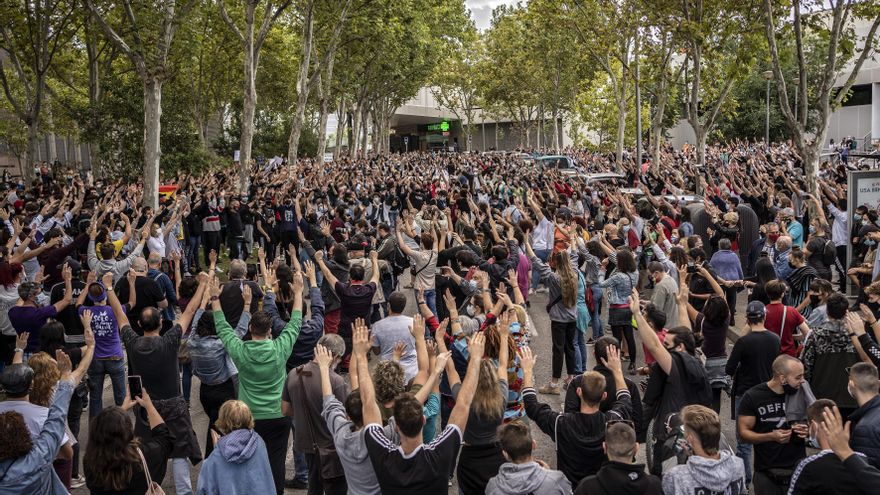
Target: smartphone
(691, 267)
(135, 387)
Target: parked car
(565, 165)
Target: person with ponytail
(562, 281)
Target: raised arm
(361, 346)
(118, 311)
(328, 275)
(459, 414)
(377, 276)
(649, 338)
(418, 332)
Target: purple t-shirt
(106, 330)
(30, 319)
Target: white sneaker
(78, 482)
(542, 290)
(531, 291)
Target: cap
(756, 309)
(17, 379)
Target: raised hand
(323, 357)
(247, 295)
(527, 360)
(418, 327)
(612, 361)
(477, 346)
(360, 338)
(86, 318)
(22, 340)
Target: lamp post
(768, 75)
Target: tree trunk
(341, 124)
(555, 129)
(51, 142)
(354, 129)
(152, 131)
(302, 85)
(621, 123)
(248, 111)
(365, 127)
(33, 151)
(324, 87)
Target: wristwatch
(18, 349)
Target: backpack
(829, 254)
(398, 260)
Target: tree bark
(341, 121)
(354, 129)
(152, 132)
(324, 86)
(248, 111)
(302, 83)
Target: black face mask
(814, 300)
(788, 389)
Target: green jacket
(261, 365)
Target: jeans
(275, 434)
(74, 413)
(743, 450)
(180, 470)
(580, 353)
(212, 242)
(431, 301)
(186, 373)
(97, 370)
(596, 319)
(625, 332)
(562, 334)
(195, 241)
(542, 255)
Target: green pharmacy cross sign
(441, 126)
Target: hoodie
(529, 477)
(618, 478)
(723, 476)
(239, 465)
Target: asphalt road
(541, 345)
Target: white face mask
(470, 310)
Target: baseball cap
(16, 379)
(756, 309)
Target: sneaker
(296, 484)
(591, 341)
(565, 383)
(549, 389)
(78, 482)
(542, 290)
(531, 291)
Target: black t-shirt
(148, 294)
(714, 337)
(357, 301)
(232, 302)
(425, 471)
(768, 408)
(155, 360)
(751, 359)
(73, 327)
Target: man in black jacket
(600, 351)
(578, 435)
(620, 475)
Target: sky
(481, 10)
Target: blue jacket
(238, 466)
(866, 432)
(727, 265)
(210, 362)
(33, 473)
(311, 331)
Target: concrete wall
(852, 121)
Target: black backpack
(398, 260)
(829, 254)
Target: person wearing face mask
(780, 260)
(820, 291)
(764, 245)
(828, 352)
(824, 472)
(708, 469)
(766, 420)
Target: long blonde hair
(488, 402)
(568, 279)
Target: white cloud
(481, 10)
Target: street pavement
(540, 345)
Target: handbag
(153, 488)
(331, 466)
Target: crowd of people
(381, 310)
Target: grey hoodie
(527, 478)
(118, 268)
(725, 476)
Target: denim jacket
(210, 362)
(33, 473)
